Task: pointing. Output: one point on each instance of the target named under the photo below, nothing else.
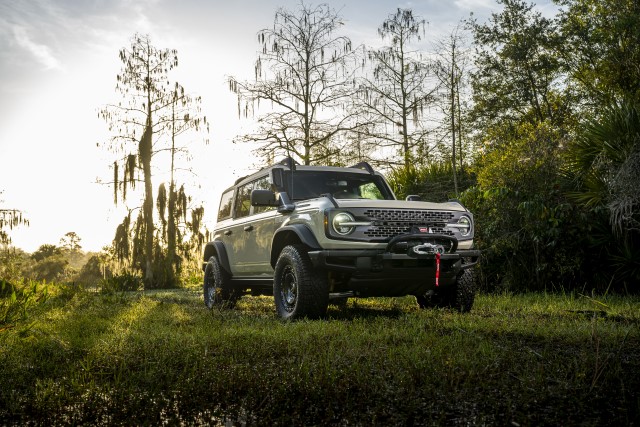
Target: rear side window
(243, 202)
(225, 205)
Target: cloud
(41, 52)
(476, 5)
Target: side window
(262, 184)
(225, 205)
(243, 202)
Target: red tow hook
(437, 269)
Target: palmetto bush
(603, 174)
(17, 300)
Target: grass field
(161, 358)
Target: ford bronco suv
(311, 235)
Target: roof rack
(364, 165)
(240, 179)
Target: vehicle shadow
(359, 309)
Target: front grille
(413, 216)
(391, 222)
(387, 230)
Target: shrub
(16, 301)
(125, 282)
(433, 183)
(532, 238)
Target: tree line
(531, 121)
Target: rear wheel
(218, 290)
(298, 289)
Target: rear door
(225, 224)
(252, 232)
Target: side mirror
(413, 198)
(263, 198)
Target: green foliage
(432, 183)
(17, 300)
(177, 243)
(14, 264)
(530, 234)
(517, 68)
(51, 269)
(124, 282)
(71, 242)
(601, 49)
(53, 263)
(542, 215)
(603, 174)
(46, 251)
(603, 164)
(528, 245)
(154, 112)
(94, 270)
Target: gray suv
(311, 235)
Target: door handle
(227, 233)
(248, 228)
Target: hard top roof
(288, 163)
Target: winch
(428, 248)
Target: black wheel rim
(289, 289)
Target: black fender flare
(216, 248)
(292, 234)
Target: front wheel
(460, 296)
(218, 290)
(465, 291)
(298, 289)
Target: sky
(58, 67)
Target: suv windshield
(344, 185)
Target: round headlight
(340, 222)
(465, 223)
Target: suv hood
(399, 204)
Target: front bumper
(372, 272)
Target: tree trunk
(171, 226)
(171, 234)
(459, 110)
(147, 210)
(453, 118)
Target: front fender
(290, 235)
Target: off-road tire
(425, 302)
(217, 288)
(459, 296)
(299, 290)
(465, 292)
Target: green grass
(162, 357)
